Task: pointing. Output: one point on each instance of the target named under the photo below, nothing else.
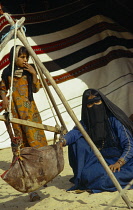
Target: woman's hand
(115, 167)
(62, 142)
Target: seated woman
(112, 133)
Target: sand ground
(54, 196)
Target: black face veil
(95, 115)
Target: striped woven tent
(81, 49)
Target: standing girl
(25, 83)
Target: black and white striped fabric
(81, 49)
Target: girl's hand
(5, 103)
(29, 68)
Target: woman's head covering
(8, 71)
(95, 109)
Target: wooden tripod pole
(52, 100)
(2, 45)
(73, 116)
(11, 34)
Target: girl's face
(21, 60)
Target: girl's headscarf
(8, 71)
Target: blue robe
(88, 171)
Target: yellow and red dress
(23, 108)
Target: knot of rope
(11, 28)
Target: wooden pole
(73, 116)
(33, 124)
(52, 100)
(64, 128)
(7, 38)
(119, 195)
(10, 34)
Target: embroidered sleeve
(126, 140)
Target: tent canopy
(120, 11)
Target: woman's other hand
(115, 167)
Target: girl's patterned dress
(24, 109)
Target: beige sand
(54, 197)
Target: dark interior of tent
(121, 11)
